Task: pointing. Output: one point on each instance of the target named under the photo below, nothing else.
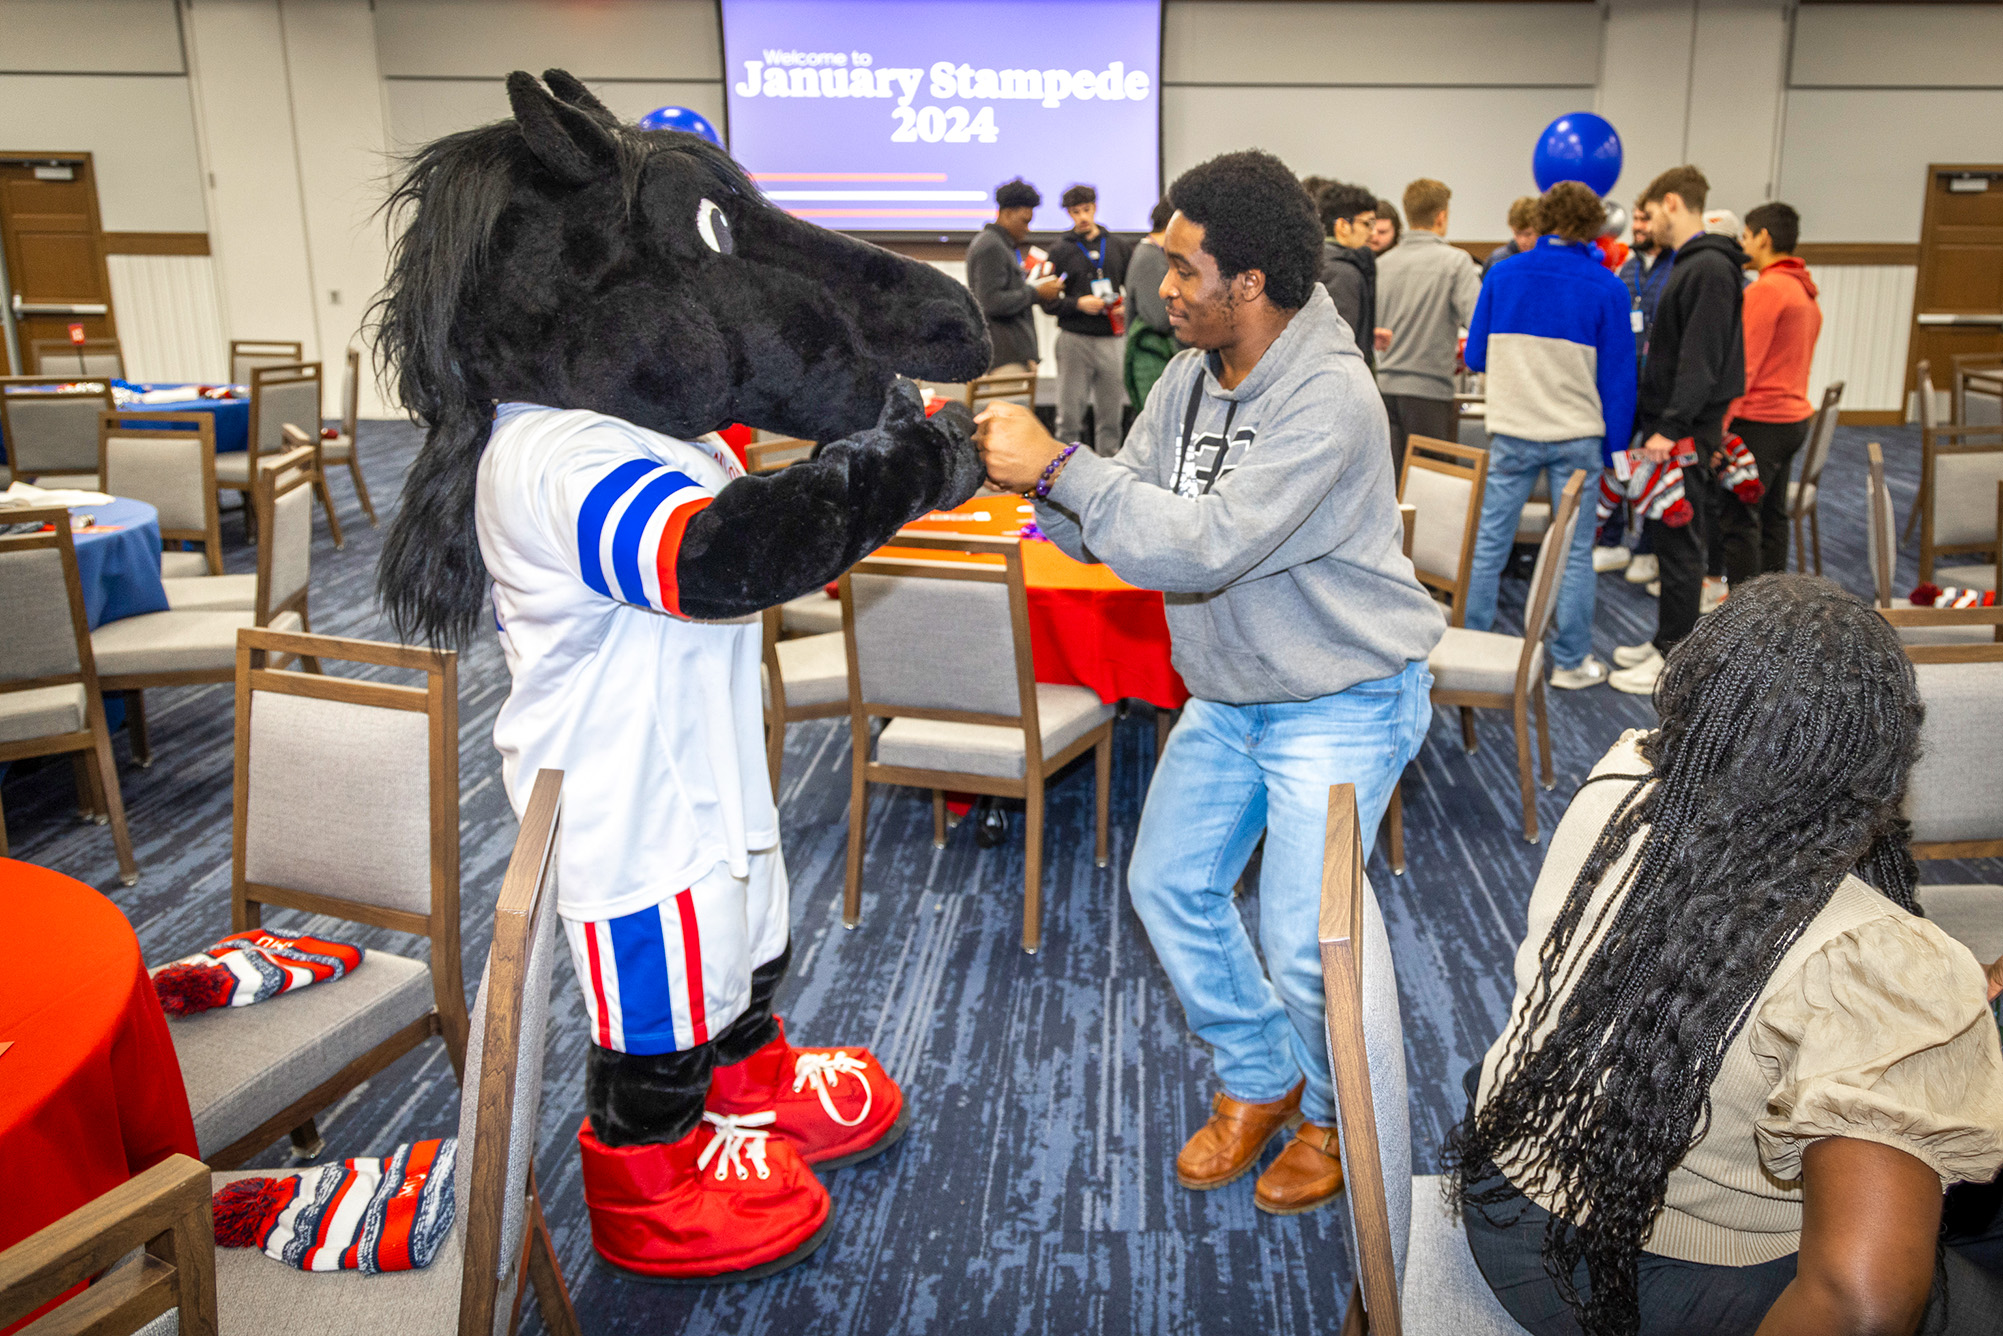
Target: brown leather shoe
(1229, 1144)
(1306, 1175)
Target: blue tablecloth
(120, 570)
(232, 416)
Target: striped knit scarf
(248, 967)
(359, 1215)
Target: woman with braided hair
(1740, 1067)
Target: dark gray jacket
(1350, 275)
(1146, 268)
(996, 279)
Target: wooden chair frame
(985, 390)
(1037, 767)
(1950, 440)
(8, 384)
(292, 350)
(771, 456)
(351, 418)
(438, 700)
(96, 771)
(1375, 1289)
(1980, 371)
(1455, 461)
(778, 714)
(1814, 457)
(262, 379)
(165, 1210)
(43, 352)
(173, 426)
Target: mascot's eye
(714, 227)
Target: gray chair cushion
(1800, 497)
(82, 482)
(212, 593)
(183, 565)
(234, 467)
(175, 642)
(336, 449)
(1534, 520)
(1972, 915)
(815, 669)
(1972, 576)
(1066, 714)
(810, 615)
(1467, 660)
(41, 712)
(1444, 1291)
(1953, 793)
(243, 1065)
(257, 1295)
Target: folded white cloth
(27, 494)
(173, 394)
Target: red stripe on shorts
(692, 967)
(598, 986)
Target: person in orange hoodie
(1772, 416)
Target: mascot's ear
(573, 144)
(569, 88)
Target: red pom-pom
(1924, 595)
(1750, 491)
(1678, 514)
(245, 1209)
(330, 433)
(186, 989)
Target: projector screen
(904, 115)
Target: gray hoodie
(1279, 550)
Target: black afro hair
(1017, 194)
(1254, 215)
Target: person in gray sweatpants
(1091, 351)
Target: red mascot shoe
(836, 1105)
(728, 1202)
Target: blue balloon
(681, 118)
(1579, 147)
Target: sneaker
(837, 1106)
(1642, 568)
(1638, 680)
(1655, 589)
(728, 1202)
(1610, 558)
(1590, 673)
(1715, 592)
(1628, 656)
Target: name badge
(1634, 321)
(1102, 288)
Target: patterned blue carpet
(1035, 1192)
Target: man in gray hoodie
(1426, 292)
(1255, 491)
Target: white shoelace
(736, 1136)
(820, 1070)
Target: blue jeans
(1513, 466)
(1230, 772)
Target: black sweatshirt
(1072, 256)
(1696, 360)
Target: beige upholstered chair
(1014, 387)
(941, 650)
(60, 357)
(499, 1244)
(50, 701)
(183, 646)
(347, 804)
(1960, 469)
(342, 449)
(168, 460)
(281, 397)
(1490, 670)
(1804, 491)
(1978, 389)
(50, 426)
(1443, 481)
(248, 355)
(804, 678)
(1410, 1257)
(773, 455)
(1931, 626)
(810, 615)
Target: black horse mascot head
(564, 258)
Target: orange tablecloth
(90, 1092)
(1087, 626)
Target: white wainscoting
(170, 324)
(1867, 312)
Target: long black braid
(1790, 719)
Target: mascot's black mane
(563, 258)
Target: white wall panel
(1854, 160)
(607, 39)
(98, 36)
(1866, 317)
(1894, 46)
(421, 110)
(1739, 51)
(1378, 43)
(1644, 86)
(139, 131)
(169, 323)
(1485, 157)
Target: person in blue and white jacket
(1552, 331)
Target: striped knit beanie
(247, 967)
(362, 1215)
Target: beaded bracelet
(1041, 491)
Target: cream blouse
(1875, 1025)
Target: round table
(232, 415)
(1087, 626)
(118, 560)
(90, 1091)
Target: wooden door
(53, 247)
(1958, 300)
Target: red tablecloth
(90, 1093)
(1087, 626)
